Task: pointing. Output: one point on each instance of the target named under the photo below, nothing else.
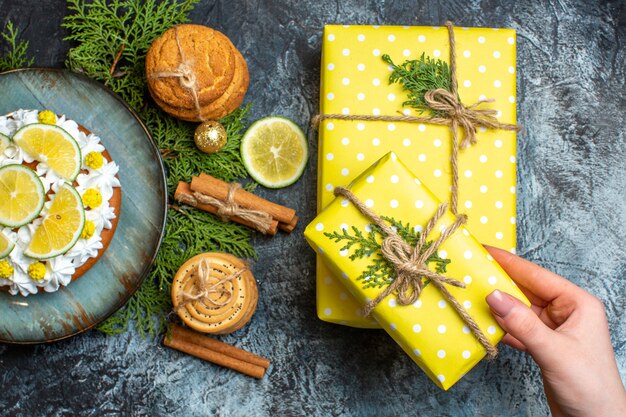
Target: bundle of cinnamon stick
(215, 351)
(230, 201)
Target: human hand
(566, 332)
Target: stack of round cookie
(196, 74)
(214, 293)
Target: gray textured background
(571, 209)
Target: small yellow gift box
(430, 331)
(355, 81)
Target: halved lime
(61, 227)
(6, 246)
(22, 195)
(52, 145)
(274, 151)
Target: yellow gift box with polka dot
(355, 82)
(429, 331)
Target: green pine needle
(188, 232)
(106, 29)
(112, 38)
(417, 77)
(380, 272)
(15, 56)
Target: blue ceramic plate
(118, 274)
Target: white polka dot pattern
(487, 170)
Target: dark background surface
(571, 205)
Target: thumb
(522, 323)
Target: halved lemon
(52, 145)
(274, 151)
(5, 142)
(61, 227)
(22, 195)
(6, 246)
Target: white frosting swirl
(60, 270)
(10, 124)
(12, 155)
(70, 127)
(89, 143)
(103, 179)
(20, 282)
(85, 249)
(101, 217)
(48, 177)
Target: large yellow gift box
(430, 331)
(355, 81)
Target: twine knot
(465, 117)
(409, 263)
(186, 77)
(409, 268)
(229, 208)
(457, 115)
(204, 288)
(260, 220)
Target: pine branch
(112, 38)
(104, 29)
(15, 56)
(417, 77)
(188, 233)
(367, 246)
(380, 272)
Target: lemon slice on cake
(53, 146)
(274, 152)
(22, 195)
(61, 226)
(6, 246)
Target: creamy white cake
(98, 173)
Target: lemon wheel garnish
(22, 195)
(6, 246)
(52, 145)
(274, 151)
(61, 227)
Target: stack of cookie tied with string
(215, 293)
(195, 73)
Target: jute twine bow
(468, 118)
(185, 75)
(410, 265)
(204, 289)
(261, 220)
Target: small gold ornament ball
(210, 137)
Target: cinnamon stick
(288, 227)
(184, 193)
(219, 346)
(215, 188)
(187, 345)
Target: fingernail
(499, 303)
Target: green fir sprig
(113, 36)
(380, 272)
(15, 55)
(111, 39)
(417, 77)
(188, 232)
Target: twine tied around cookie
(468, 118)
(204, 289)
(410, 265)
(227, 209)
(184, 73)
